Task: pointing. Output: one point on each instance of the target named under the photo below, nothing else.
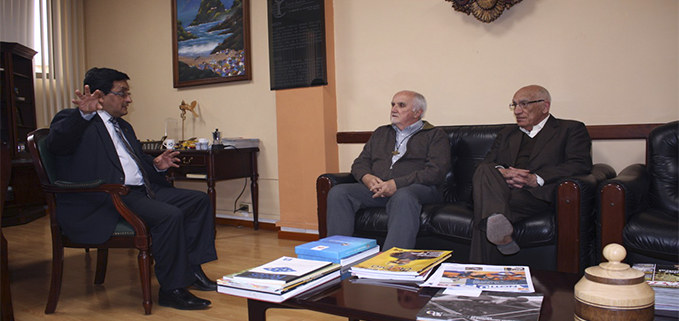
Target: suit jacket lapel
(515, 144)
(544, 136)
(107, 142)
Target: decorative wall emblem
(484, 10)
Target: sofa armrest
(323, 185)
(575, 208)
(620, 197)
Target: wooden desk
(217, 165)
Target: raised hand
(166, 160)
(88, 102)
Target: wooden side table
(216, 165)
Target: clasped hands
(519, 178)
(379, 187)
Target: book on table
(334, 248)
(505, 306)
(279, 280)
(327, 280)
(347, 261)
(400, 264)
(280, 271)
(230, 281)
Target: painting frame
(194, 60)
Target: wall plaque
(297, 43)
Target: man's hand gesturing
(88, 102)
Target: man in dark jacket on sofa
(93, 142)
(518, 176)
(399, 168)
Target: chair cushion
(123, 228)
(653, 233)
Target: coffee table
(382, 303)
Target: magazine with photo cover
(489, 306)
(280, 271)
(659, 275)
(485, 277)
(402, 261)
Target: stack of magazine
(400, 265)
(482, 292)
(343, 250)
(240, 142)
(280, 279)
(665, 282)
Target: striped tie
(136, 159)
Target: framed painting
(210, 41)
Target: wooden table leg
(213, 199)
(254, 191)
(257, 309)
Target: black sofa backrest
(468, 146)
(662, 160)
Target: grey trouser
(403, 209)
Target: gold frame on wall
(483, 10)
(219, 51)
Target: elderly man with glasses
(518, 176)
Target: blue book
(334, 248)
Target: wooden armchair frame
(45, 165)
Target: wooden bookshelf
(25, 201)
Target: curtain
(16, 20)
(62, 41)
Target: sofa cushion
(468, 146)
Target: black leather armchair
(640, 207)
(563, 241)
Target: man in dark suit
(518, 176)
(92, 142)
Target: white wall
(604, 62)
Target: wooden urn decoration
(613, 290)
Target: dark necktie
(136, 159)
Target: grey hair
(419, 102)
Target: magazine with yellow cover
(403, 261)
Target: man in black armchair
(399, 168)
(92, 142)
(518, 176)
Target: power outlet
(245, 207)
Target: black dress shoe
(181, 299)
(203, 283)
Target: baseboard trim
(244, 223)
(304, 237)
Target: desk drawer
(192, 160)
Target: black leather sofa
(564, 240)
(640, 207)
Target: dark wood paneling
(597, 132)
